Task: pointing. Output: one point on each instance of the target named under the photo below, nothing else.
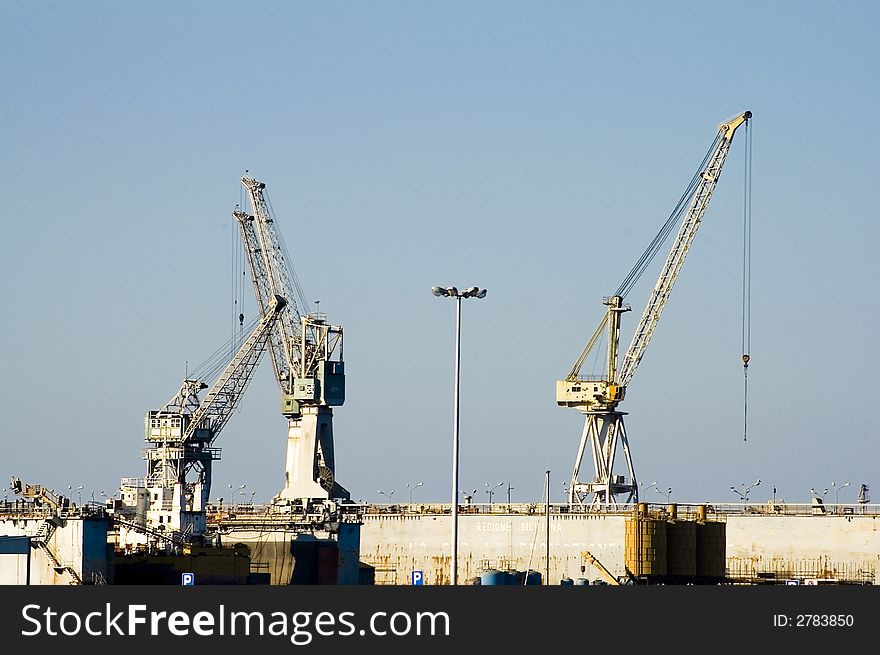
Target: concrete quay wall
(833, 546)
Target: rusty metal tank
(711, 549)
(645, 545)
(681, 548)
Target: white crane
(306, 354)
(174, 495)
(598, 397)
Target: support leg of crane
(604, 431)
(573, 497)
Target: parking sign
(188, 579)
(418, 578)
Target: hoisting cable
(238, 278)
(747, 276)
(209, 369)
(233, 276)
(241, 272)
(291, 270)
(661, 236)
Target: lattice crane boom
(607, 390)
(225, 394)
(681, 245)
(271, 275)
(282, 344)
(303, 343)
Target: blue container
(533, 578)
(566, 582)
(493, 577)
(581, 582)
(515, 577)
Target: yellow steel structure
(598, 396)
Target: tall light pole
(491, 490)
(235, 490)
(78, 489)
(644, 494)
(837, 492)
(452, 292)
(411, 487)
(387, 495)
(744, 495)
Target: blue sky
(530, 148)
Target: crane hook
(745, 361)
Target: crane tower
(598, 397)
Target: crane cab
(587, 393)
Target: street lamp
(236, 490)
(817, 494)
(837, 492)
(667, 493)
(491, 490)
(411, 487)
(644, 495)
(387, 495)
(468, 496)
(78, 489)
(452, 292)
(744, 495)
(509, 489)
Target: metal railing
(682, 510)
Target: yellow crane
(609, 577)
(598, 397)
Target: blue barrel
(533, 578)
(493, 577)
(515, 577)
(581, 582)
(566, 582)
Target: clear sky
(531, 148)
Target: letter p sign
(188, 579)
(418, 578)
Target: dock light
(452, 292)
(744, 495)
(491, 490)
(837, 492)
(411, 487)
